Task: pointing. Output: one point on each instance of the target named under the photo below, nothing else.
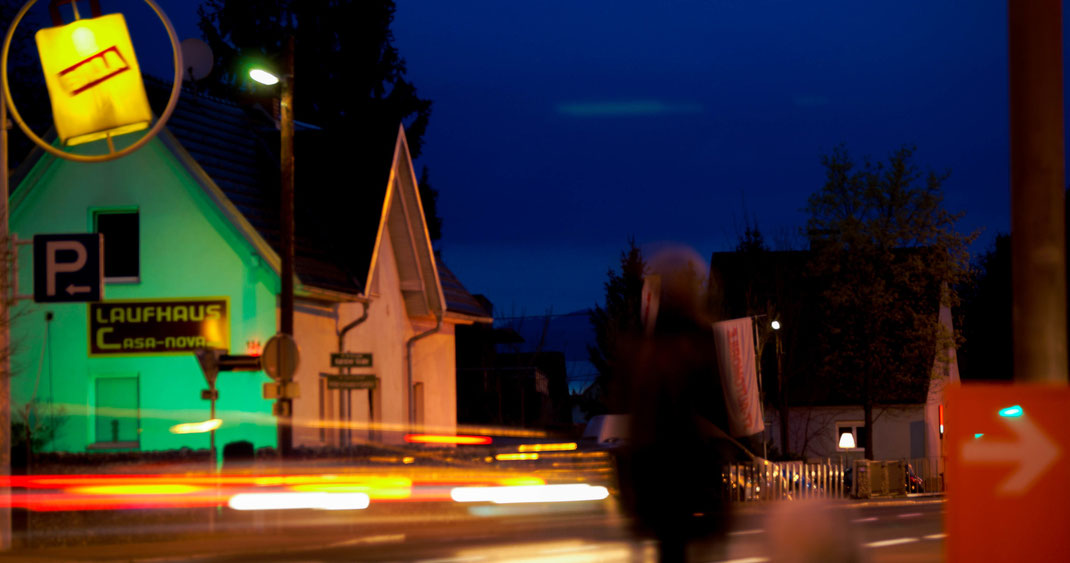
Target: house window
(116, 421)
(122, 246)
(850, 436)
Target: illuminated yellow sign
(93, 79)
(164, 326)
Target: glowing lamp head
(775, 325)
(847, 440)
(264, 77)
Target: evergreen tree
(348, 74)
(614, 323)
(985, 321)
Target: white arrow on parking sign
(72, 289)
(1034, 453)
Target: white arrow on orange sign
(1034, 452)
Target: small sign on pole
(351, 381)
(351, 360)
(286, 390)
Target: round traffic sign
(280, 357)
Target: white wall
(384, 334)
(815, 428)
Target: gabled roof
(232, 151)
(460, 304)
(231, 145)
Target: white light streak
(197, 427)
(529, 493)
(887, 543)
(292, 501)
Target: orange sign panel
(1008, 473)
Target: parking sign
(68, 268)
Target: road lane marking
(571, 549)
(934, 536)
(746, 532)
(910, 515)
(384, 538)
(886, 543)
(870, 519)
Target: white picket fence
(788, 480)
(785, 480)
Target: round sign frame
(280, 345)
(156, 128)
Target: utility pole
(1038, 222)
(5, 334)
(286, 314)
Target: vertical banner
(735, 358)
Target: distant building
(191, 229)
(516, 373)
(773, 284)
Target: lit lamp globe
(775, 325)
(264, 77)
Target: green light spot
(1016, 410)
(978, 435)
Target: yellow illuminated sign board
(158, 326)
(93, 79)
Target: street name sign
(1008, 472)
(68, 268)
(349, 381)
(351, 360)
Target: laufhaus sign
(158, 326)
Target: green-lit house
(190, 226)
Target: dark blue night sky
(562, 128)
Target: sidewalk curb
(846, 503)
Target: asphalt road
(907, 530)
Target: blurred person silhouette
(670, 472)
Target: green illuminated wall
(188, 249)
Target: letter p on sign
(68, 268)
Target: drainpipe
(408, 358)
(342, 333)
(341, 348)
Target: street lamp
(264, 77)
(783, 398)
(286, 169)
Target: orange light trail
(124, 492)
